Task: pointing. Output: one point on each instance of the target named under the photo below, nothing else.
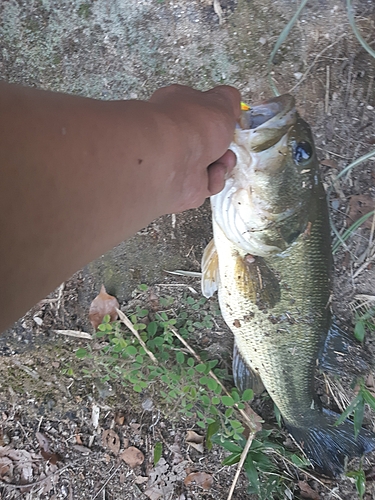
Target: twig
(124, 319)
(218, 10)
(327, 90)
(252, 426)
(363, 266)
(107, 481)
(240, 464)
(74, 333)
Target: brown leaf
(307, 491)
(195, 440)
(360, 205)
(254, 417)
(201, 479)
(132, 456)
(140, 479)
(193, 437)
(52, 458)
(111, 441)
(329, 163)
(102, 305)
(43, 441)
(6, 467)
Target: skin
(78, 176)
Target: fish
(270, 261)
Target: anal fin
(210, 270)
(244, 376)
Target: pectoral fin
(210, 270)
(257, 281)
(244, 376)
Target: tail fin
(327, 446)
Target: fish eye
(302, 152)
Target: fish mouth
(274, 112)
(269, 121)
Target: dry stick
(363, 266)
(240, 464)
(107, 481)
(124, 319)
(74, 333)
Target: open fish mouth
(274, 112)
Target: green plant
(364, 322)
(357, 408)
(183, 383)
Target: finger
(218, 170)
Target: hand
(204, 122)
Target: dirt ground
(116, 50)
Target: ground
(117, 50)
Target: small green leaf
(227, 400)
(211, 430)
(349, 410)
(299, 462)
(158, 450)
(228, 412)
(201, 424)
(152, 328)
(180, 358)
(358, 418)
(215, 400)
(251, 473)
(102, 327)
(143, 287)
(232, 459)
(81, 353)
(201, 368)
(131, 350)
(247, 395)
(359, 331)
(190, 362)
(211, 384)
(137, 388)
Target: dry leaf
(136, 428)
(307, 491)
(360, 205)
(163, 479)
(102, 305)
(140, 479)
(6, 467)
(329, 163)
(254, 417)
(201, 479)
(119, 419)
(42, 440)
(195, 440)
(132, 456)
(111, 441)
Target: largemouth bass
(270, 261)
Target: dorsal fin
(210, 270)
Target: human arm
(79, 175)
